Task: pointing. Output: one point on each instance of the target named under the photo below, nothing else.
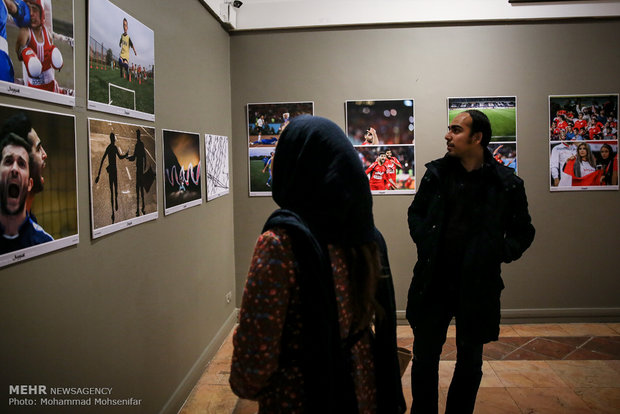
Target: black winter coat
(503, 231)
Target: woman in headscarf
(607, 164)
(316, 281)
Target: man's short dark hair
(18, 124)
(480, 123)
(13, 139)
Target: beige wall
(141, 310)
(571, 270)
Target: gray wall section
(141, 310)
(571, 270)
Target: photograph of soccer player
(120, 80)
(378, 176)
(45, 207)
(19, 230)
(128, 196)
(125, 44)
(583, 141)
(218, 175)
(41, 49)
(390, 169)
(380, 121)
(182, 168)
(265, 123)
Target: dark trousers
(430, 335)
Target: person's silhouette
(111, 152)
(139, 155)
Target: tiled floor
(542, 368)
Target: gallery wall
(570, 271)
(141, 310)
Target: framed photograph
(121, 62)
(583, 142)
(182, 169)
(38, 49)
(382, 132)
(125, 194)
(502, 112)
(38, 186)
(265, 123)
(216, 154)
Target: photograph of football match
(265, 123)
(382, 132)
(38, 47)
(502, 113)
(121, 62)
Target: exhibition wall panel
(570, 270)
(140, 311)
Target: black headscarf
(318, 174)
(320, 185)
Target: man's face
(38, 161)
(459, 141)
(381, 158)
(15, 181)
(125, 26)
(35, 15)
(388, 154)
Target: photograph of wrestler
(380, 122)
(218, 176)
(121, 66)
(265, 123)
(182, 170)
(390, 169)
(44, 207)
(583, 142)
(125, 194)
(38, 62)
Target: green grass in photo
(503, 122)
(98, 90)
(258, 178)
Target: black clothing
(317, 174)
(500, 231)
(464, 225)
(323, 192)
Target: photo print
(182, 170)
(37, 45)
(265, 123)
(382, 132)
(123, 175)
(38, 186)
(583, 142)
(216, 154)
(502, 113)
(121, 62)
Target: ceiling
(282, 14)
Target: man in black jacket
(469, 215)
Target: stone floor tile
(495, 400)
(543, 329)
(601, 400)
(588, 329)
(548, 348)
(548, 401)
(526, 374)
(586, 373)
